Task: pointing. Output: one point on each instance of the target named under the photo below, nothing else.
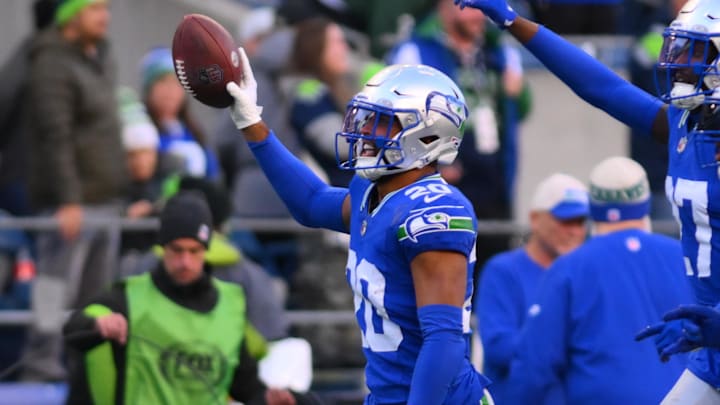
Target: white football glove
(244, 111)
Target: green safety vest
(176, 355)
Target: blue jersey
(424, 216)
(508, 284)
(588, 309)
(694, 191)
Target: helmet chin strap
(684, 96)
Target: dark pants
(69, 274)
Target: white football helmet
(405, 117)
(687, 72)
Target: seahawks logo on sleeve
(434, 219)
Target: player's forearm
(310, 200)
(441, 355)
(523, 29)
(593, 81)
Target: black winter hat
(186, 215)
(217, 197)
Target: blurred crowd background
(310, 57)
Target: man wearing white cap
(579, 332)
(557, 226)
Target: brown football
(206, 59)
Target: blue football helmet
(405, 117)
(687, 72)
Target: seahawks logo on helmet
(429, 109)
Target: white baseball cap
(619, 190)
(564, 196)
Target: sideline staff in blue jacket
(580, 331)
(558, 212)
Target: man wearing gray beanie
(579, 331)
(175, 334)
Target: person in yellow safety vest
(175, 335)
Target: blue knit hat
(156, 63)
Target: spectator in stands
(385, 22)
(579, 331)
(323, 87)
(77, 171)
(13, 118)
(17, 272)
(184, 147)
(490, 75)
(17, 267)
(174, 335)
(509, 280)
(140, 140)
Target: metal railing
(296, 317)
(668, 227)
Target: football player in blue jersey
(683, 118)
(412, 235)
